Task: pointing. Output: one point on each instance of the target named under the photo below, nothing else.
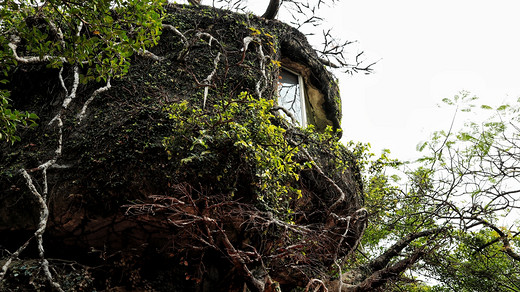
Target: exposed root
(261, 57)
(13, 45)
(13, 256)
(286, 112)
(176, 31)
(342, 195)
(148, 54)
(208, 79)
(321, 286)
(293, 253)
(42, 196)
(44, 216)
(98, 91)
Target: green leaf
(503, 107)
(465, 137)
(447, 101)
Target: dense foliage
(237, 135)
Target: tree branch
(272, 9)
(380, 277)
(382, 261)
(502, 237)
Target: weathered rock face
(180, 177)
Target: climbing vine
(240, 137)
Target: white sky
(429, 50)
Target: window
(291, 95)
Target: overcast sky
(429, 50)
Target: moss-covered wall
(183, 160)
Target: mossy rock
(123, 194)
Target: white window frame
(303, 118)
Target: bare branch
(342, 195)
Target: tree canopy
(452, 215)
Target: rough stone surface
(115, 158)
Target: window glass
(290, 92)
